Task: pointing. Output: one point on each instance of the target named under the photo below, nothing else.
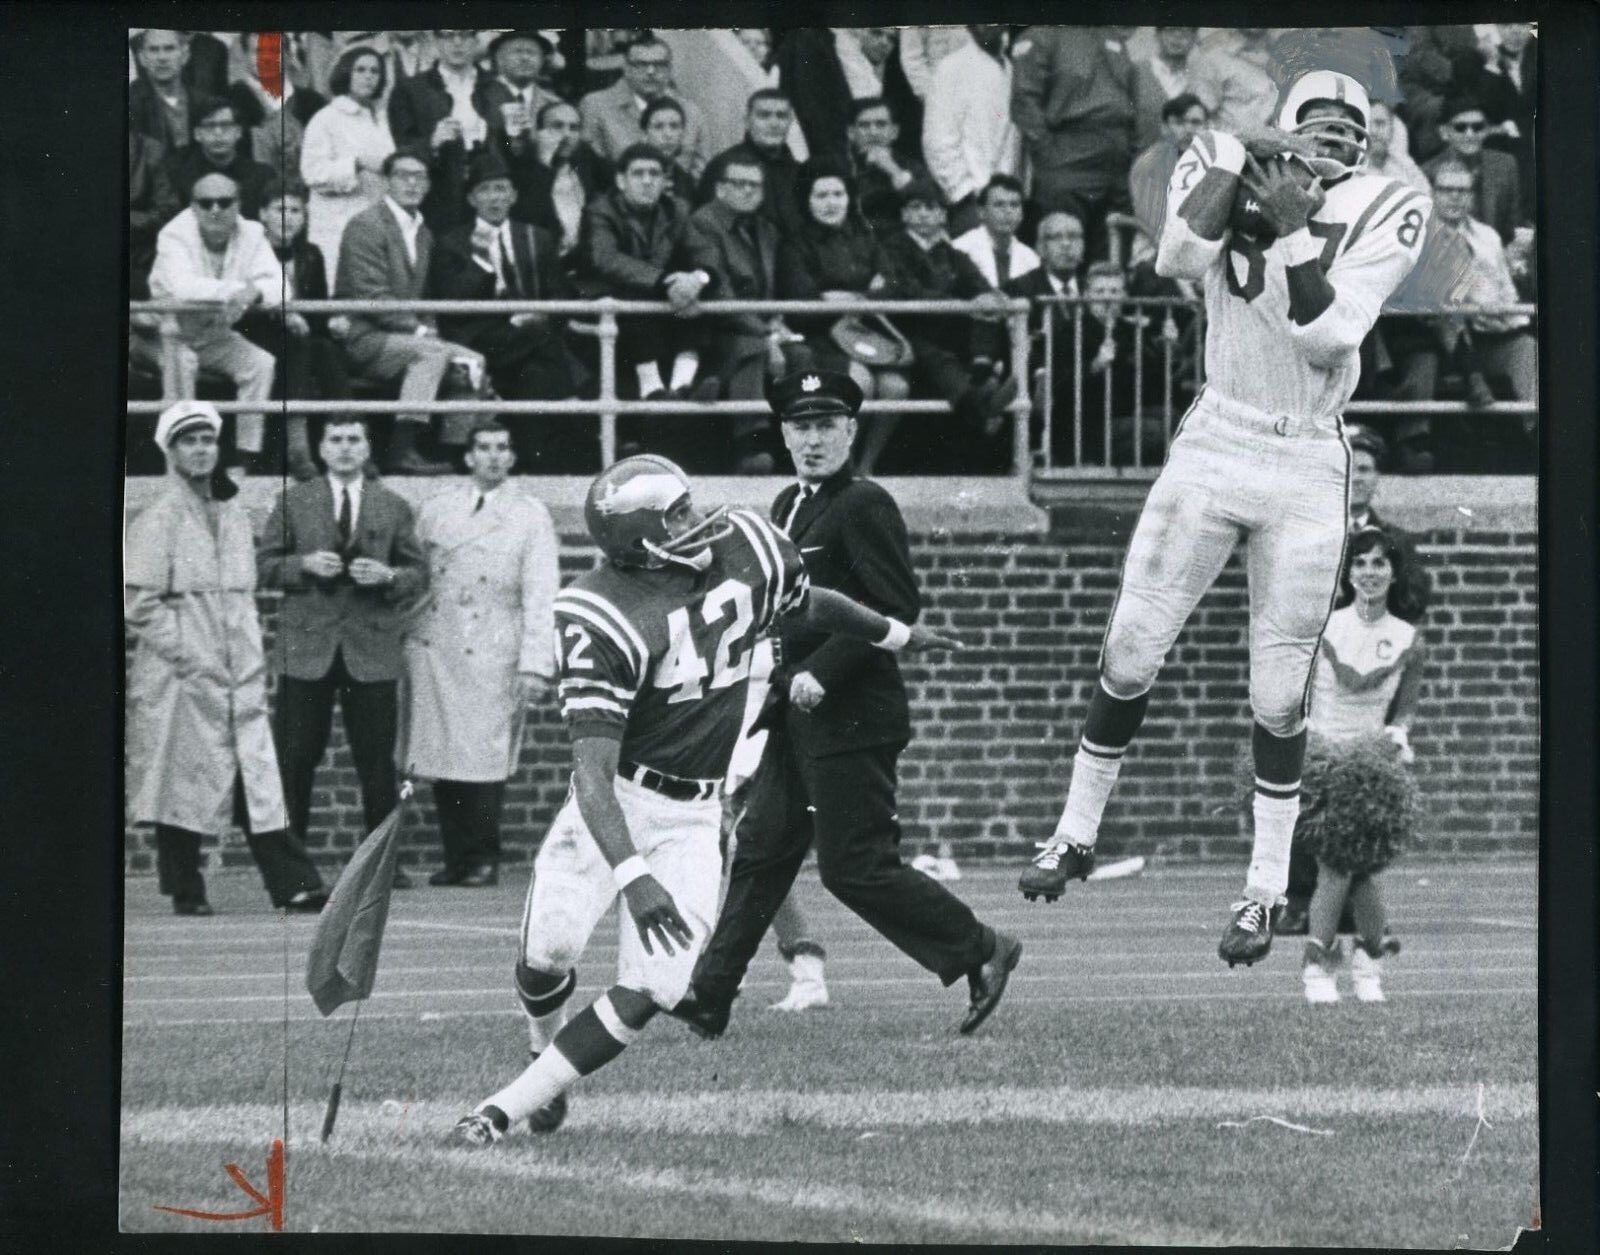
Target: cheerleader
(1362, 803)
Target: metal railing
(1182, 356)
(606, 405)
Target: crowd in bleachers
(684, 166)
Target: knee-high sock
(595, 1037)
(544, 1002)
(1108, 729)
(1278, 762)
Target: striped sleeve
(784, 582)
(1199, 201)
(603, 660)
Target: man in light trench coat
(478, 650)
(198, 734)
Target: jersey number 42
(684, 667)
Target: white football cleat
(1366, 974)
(1318, 975)
(808, 988)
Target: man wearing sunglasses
(1498, 198)
(209, 253)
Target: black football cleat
(988, 982)
(1248, 936)
(705, 1018)
(479, 1129)
(1057, 862)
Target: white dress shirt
(462, 88)
(354, 488)
(979, 245)
(410, 224)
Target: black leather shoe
(444, 877)
(704, 1018)
(307, 902)
(988, 982)
(480, 877)
(1292, 921)
(195, 906)
(401, 880)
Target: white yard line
(1522, 925)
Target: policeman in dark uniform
(839, 722)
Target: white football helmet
(1348, 134)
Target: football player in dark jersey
(655, 648)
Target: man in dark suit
(730, 241)
(344, 551)
(443, 111)
(496, 258)
(385, 254)
(838, 725)
(768, 117)
(1498, 201)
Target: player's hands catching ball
(1269, 141)
(656, 916)
(1286, 201)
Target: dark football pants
(858, 855)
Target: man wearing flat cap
(838, 725)
(199, 740)
(496, 258)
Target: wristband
(629, 870)
(1300, 247)
(895, 638)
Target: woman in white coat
(341, 157)
(478, 650)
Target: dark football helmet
(640, 513)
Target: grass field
(1113, 1097)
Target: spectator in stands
(344, 150)
(1414, 584)
(1509, 88)
(768, 117)
(444, 103)
(1159, 80)
(159, 98)
(310, 364)
(880, 174)
(151, 205)
(1231, 73)
(663, 124)
(732, 242)
(811, 74)
(922, 48)
(1440, 61)
(274, 117)
(1061, 249)
(757, 41)
(1383, 156)
(1117, 353)
(923, 266)
(835, 256)
(1182, 118)
(633, 238)
(494, 258)
(993, 245)
(217, 149)
(556, 175)
(1497, 199)
(209, 253)
(1072, 100)
(512, 98)
(614, 119)
(864, 53)
(386, 255)
(1488, 347)
(968, 136)
(198, 735)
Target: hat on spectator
(485, 166)
(806, 394)
(1366, 440)
(183, 417)
(505, 37)
(921, 189)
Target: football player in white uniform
(1297, 248)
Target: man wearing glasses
(613, 118)
(208, 253)
(1498, 199)
(217, 150)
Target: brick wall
(987, 771)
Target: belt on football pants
(676, 787)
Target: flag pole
(337, 1091)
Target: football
(1246, 215)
